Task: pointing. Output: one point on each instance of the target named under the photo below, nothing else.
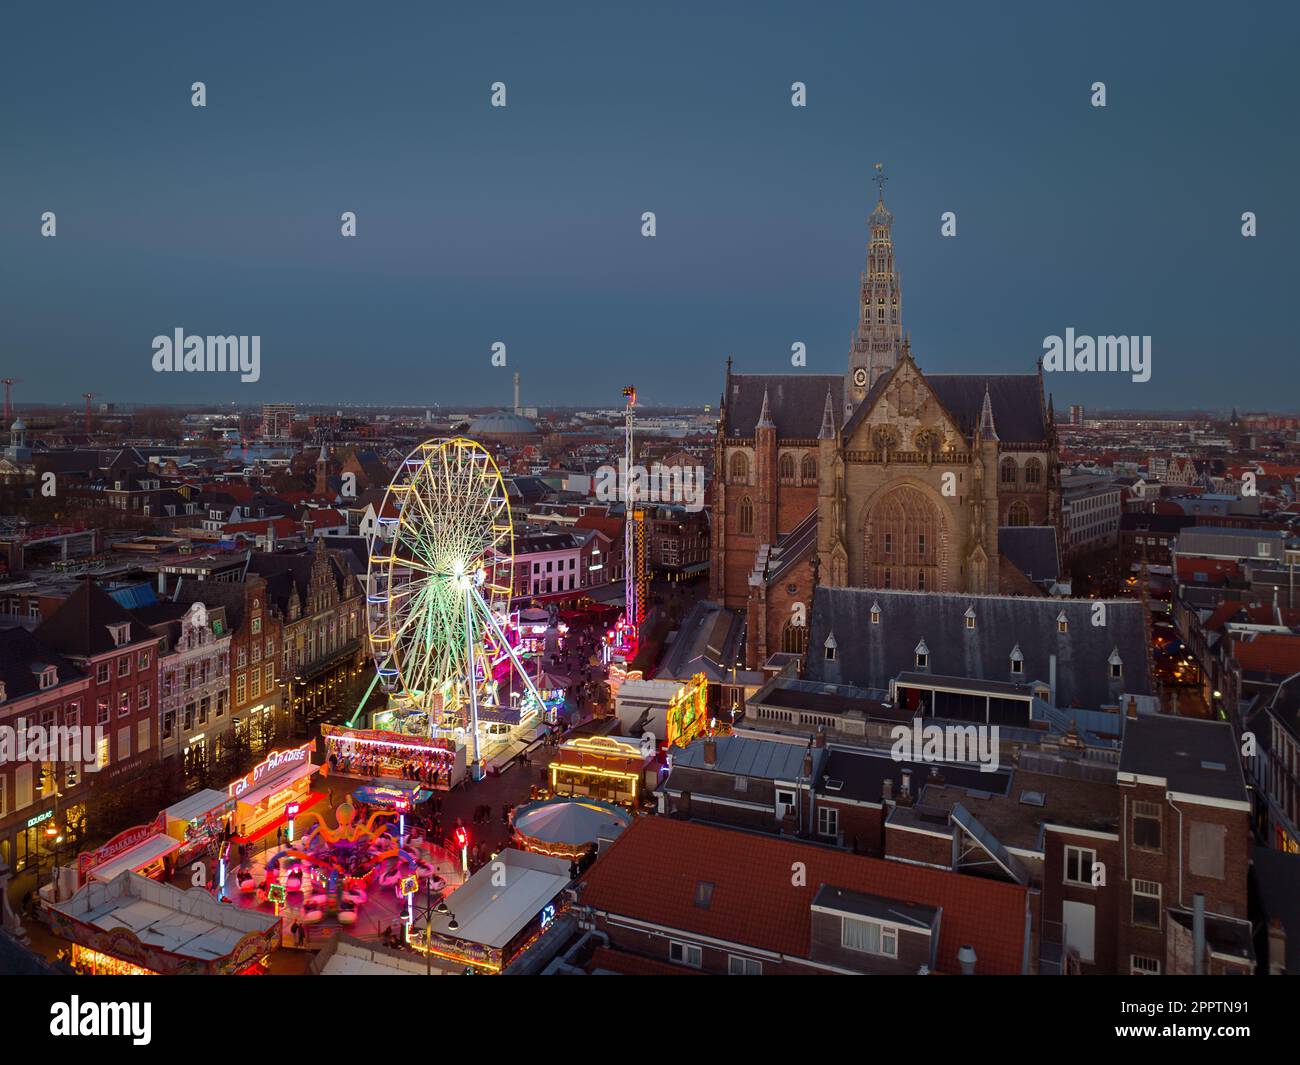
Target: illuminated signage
(688, 715)
(276, 763)
(548, 915)
(408, 885)
(34, 821)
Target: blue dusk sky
(523, 225)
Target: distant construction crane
(88, 396)
(9, 383)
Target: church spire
(765, 416)
(828, 419)
(987, 429)
(877, 341)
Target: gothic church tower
(878, 340)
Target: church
(881, 477)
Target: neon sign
(688, 712)
(275, 763)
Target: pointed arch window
(1033, 472)
(739, 468)
(745, 516)
(1018, 514)
(808, 470)
(785, 468)
(1009, 470)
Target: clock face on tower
(860, 377)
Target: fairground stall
(435, 762)
(265, 794)
(132, 926)
(603, 767)
(497, 913)
(197, 822)
(144, 849)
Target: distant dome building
(503, 425)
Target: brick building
(882, 477)
(718, 900)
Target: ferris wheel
(439, 582)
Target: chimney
(966, 959)
(887, 789)
(808, 764)
(936, 778)
(1276, 948)
(1198, 934)
(906, 790)
(518, 408)
(1051, 679)
(270, 537)
(1132, 707)
(819, 740)
(710, 751)
(162, 583)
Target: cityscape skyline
(225, 219)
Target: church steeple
(878, 338)
(827, 431)
(988, 431)
(765, 415)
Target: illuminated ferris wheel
(439, 582)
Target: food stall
(603, 767)
(197, 821)
(263, 794)
(144, 849)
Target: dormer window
(922, 655)
(49, 677)
(1017, 661)
(120, 633)
(1062, 625)
(875, 613)
(831, 648)
(970, 617)
(1116, 665)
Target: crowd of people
(376, 760)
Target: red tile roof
(650, 874)
(1216, 570)
(1274, 653)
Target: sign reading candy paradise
(276, 763)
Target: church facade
(882, 477)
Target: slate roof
(284, 571)
(871, 655)
(795, 402)
(861, 774)
(707, 642)
(228, 595)
(80, 625)
(1019, 416)
(19, 652)
(1017, 403)
(651, 873)
(1193, 756)
(1276, 876)
(1031, 549)
(746, 757)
